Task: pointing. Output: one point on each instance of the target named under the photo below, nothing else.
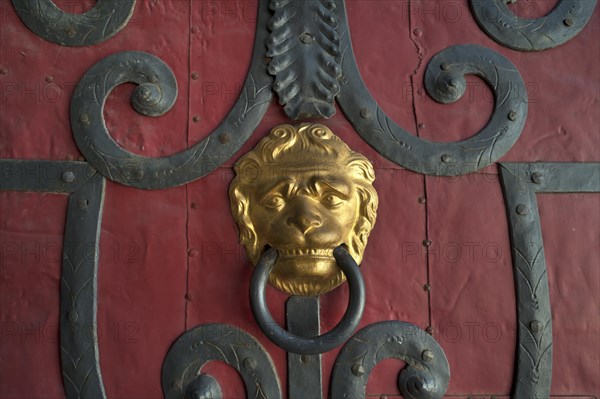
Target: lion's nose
(305, 220)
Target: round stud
(306, 38)
(512, 115)
(72, 316)
(446, 158)
(522, 209)
(427, 355)
(365, 113)
(358, 370)
(535, 326)
(568, 22)
(250, 363)
(537, 177)
(68, 177)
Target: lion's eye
(273, 201)
(331, 200)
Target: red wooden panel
(31, 239)
(472, 291)
(571, 235)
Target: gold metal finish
(304, 192)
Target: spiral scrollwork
(444, 81)
(94, 26)
(562, 24)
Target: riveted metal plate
(80, 358)
(222, 342)
(94, 26)
(562, 24)
(426, 374)
(520, 183)
(305, 54)
(44, 176)
(304, 371)
(154, 96)
(445, 82)
(80, 361)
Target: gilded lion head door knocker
(303, 192)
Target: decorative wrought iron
(521, 182)
(562, 24)
(305, 54)
(445, 83)
(80, 364)
(103, 21)
(425, 376)
(154, 96)
(228, 344)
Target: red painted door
(440, 254)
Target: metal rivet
(522, 209)
(427, 243)
(427, 355)
(358, 370)
(568, 22)
(188, 297)
(84, 118)
(304, 359)
(537, 178)
(365, 113)
(421, 125)
(427, 287)
(68, 176)
(196, 118)
(72, 316)
(192, 253)
(306, 38)
(418, 32)
(49, 79)
(422, 200)
(445, 158)
(195, 29)
(3, 71)
(332, 6)
(195, 75)
(535, 326)
(250, 363)
(82, 202)
(445, 66)
(224, 138)
(512, 115)
(70, 31)
(153, 78)
(453, 83)
(194, 205)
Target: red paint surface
(146, 269)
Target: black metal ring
(302, 345)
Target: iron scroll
(425, 376)
(445, 83)
(103, 21)
(294, 343)
(562, 24)
(154, 96)
(217, 342)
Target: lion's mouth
(313, 252)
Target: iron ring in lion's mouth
(308, 345)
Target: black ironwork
(562, 24)
(425, 376)
(295, 343)
(305, 56)
(304, 371)
(445, 83)
(94, 26)
(521, 182)
(210, 342)
(79, 274)
(154, 96)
